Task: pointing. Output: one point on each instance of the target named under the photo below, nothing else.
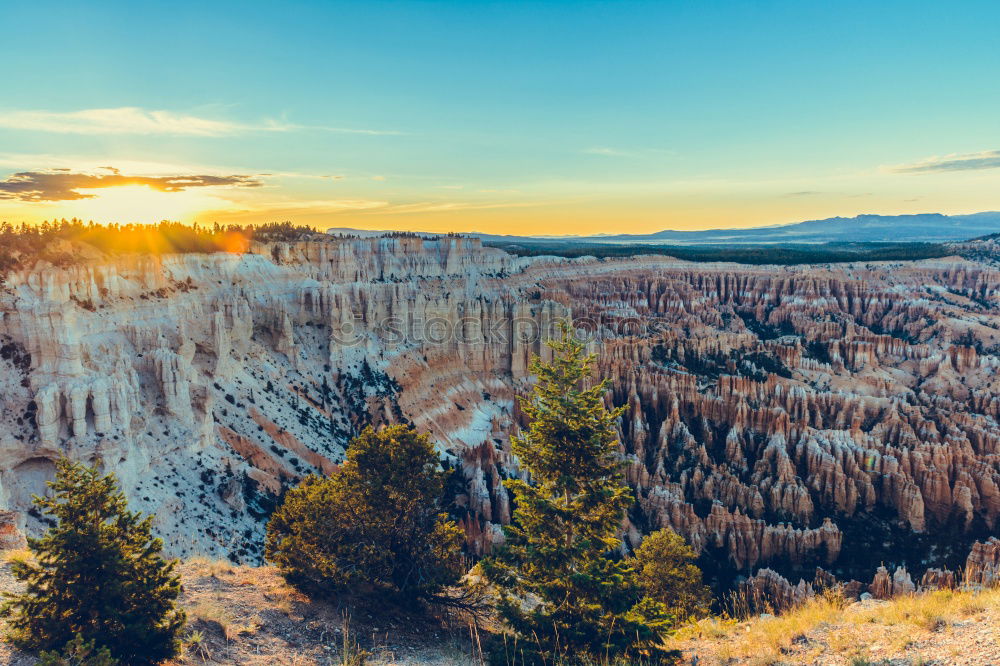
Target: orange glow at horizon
(140, 203)
(526, 215)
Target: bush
(375, 527)
(97, 574)
(78, 652)
(664, 565)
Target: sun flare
(143, 204)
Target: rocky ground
(940, 628)
(247, 615)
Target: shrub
(376, 526)
(665, 570)
(98, 574)
(78, 653)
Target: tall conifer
(563, 589)
(97, 573)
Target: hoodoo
(783, 417)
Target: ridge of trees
(23, 243)
(783, 255)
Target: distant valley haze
(919, 228)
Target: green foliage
(376, 526)
(78, 652)
(98, 573)
(785, 254)
(562, 590)
(665, 570)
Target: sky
(505, 117)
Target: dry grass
(246, 615)
(18, 555)
(214, 611)
(250, 615)
(209, 566)
(904, 627)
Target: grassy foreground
(939, 627)
(249, 615)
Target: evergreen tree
(97, 573)
(563, 590)
(376, 526)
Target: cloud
(281, 209)
(820, 193)
(60, 185)
(134, 120)
(989, 159)
(446, 206)
(327, 205)
(605, 151)
(608, 152)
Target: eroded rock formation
(11, 537)
(789, 417)
(768, 591)
(982, 568)
(884, 586)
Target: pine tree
(563, 590)
(97, 573)
(374, 527)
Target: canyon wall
(788, 417)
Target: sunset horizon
(516, 118)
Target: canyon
(841, 416)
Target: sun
(141, 204)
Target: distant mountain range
(922, 228)
(926, 227)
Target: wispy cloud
(989, 159)
(282, 209)
(605, 151)
(135, 120)
(608, 152)
(445, 206)
(819, 193)
(316, 205)
(79, 163)
(65, 185)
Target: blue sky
(552, 117)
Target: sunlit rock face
(208, 383)
(838, 416)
